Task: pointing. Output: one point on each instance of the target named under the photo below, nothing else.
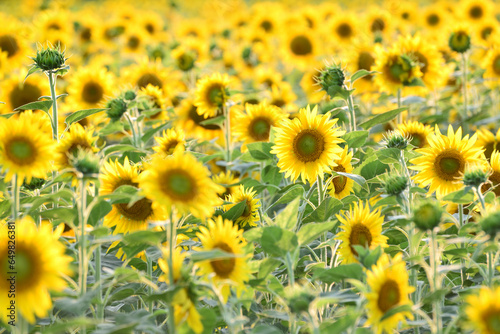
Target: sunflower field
(262, 167)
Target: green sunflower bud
(459, 41)
(116, 108)
(332, 77)
(395, 185)
(35, 183)
(395, 139)
(86, 163)
(427, 216)
(130, 95)
(50, 59)
(185, 61)
(491, 224)
(299, 298)
(475, 177)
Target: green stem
(171, 240)
(52, 83)
(132, 127)
(481, 198)
(434, 260)
(400, 116)
(15, 198)
(82, 244)
(289, 266)
(22, 326)
(464, 85)
(462, 245)
(98, 268)
(150, 277)
(321, 194)
(227, 131)
(352, 111)
(491, 267)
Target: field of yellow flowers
(263, 167)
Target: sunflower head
(427, 215)
(460, 40)
(86, 163)
(250, 214)
(394, 139)
(50, 59)
(212, 92)
(483, 310)
(332, 77)
(116, 108)
(396, 184)
(475, 176)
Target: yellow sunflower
(40, 265)
(300, 47)
(491, 64)
(88, 87)
(307, 146)
(190, 121)
(360, 227)
(212, 92)
(255, 125)
(15, 94)
(267, 76)
(77, 137)
(25, 150)
(178, 257)
(185, 310)
(344, 28)
(250, 214)
(170, 141)
(309, 83)
(494, 177)
(488, 141)
(475, 10)
(483, 310)
(282, 96)
(226, 179)
(379, 22)
(434, 19)
(150, 72)
(13, 41)
(442, 164)
(180, 181)
(342, 186)
(157, 100)
(362, 57)
(486, 31)
(222, 234)
(388, 282)
(417, 131)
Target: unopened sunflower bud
(427, 215)
(130, 95)
(395, 139)
(395, 185)
(491, 224)
(50, 59)
(116, 108)
(299, 298)
(86, 162)
(475, 177)
(331, 77)
(459, 41)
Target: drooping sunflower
(25, 150)
(170, 141)
(417, 131)
(88, 87)
(212, 92)
(222, 234)
(488, 141)
(181, 182)
(226, 179)
(360, 227)
(14, 93)
(342, 186)
(190, 121)
(443, 162)
(307, 146)
(255, 125)
(77, 137)
(250, 214)
(40, 264)
(389, 288)
(483, 310)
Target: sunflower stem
(171, 240)
(464, 86)
(150, 276)
(83, 241)
(481, 198)
(434, 260)
(52, 83)
(15, 198)
(22, 326)
(98, 268)
(289, 266)
(227, 131)
(132, 127)
(352, 112)
(321, 194)
(400, 115)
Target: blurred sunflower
(378, 22)
(185, 310)
(488, 141)
(41, 265)
(491, 64)
(135, 40)
(88, 87)
(190, 121)
(222, 234)
(494, 177)
(434, 19)
(344, 28)
(360, 227)
(178, 258)
(157, 102)
(342, 186)
(309, 84)
(282, 96)
(300, 47)
(486, 31)
(54, 26)
(442, 164)
(267, 77)
(417, 131)
(475, 10)
(182, 182)
(483, 310)
(307, 146)
(362, 57)
(76, 138)
(170, 141)
(226, 179)
(388, 282)
(212, 92)
(149, 72)
(13, 41)
(250, 214)
(15, 93)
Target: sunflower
(442, 163)
(135, 40)
(150, 72)
(226, 179)
(282, 96)
(342, 186)
(170, 141)
(417, 131)
(88, 87)
(494, 178)
(40, 265)
(222, 234)
(182, 182)
(362, 57)
(307, 146)
(54, 26)
(491, 64)
(344, 28)
(152, 23)
(379, 22)
(212, 92)
(300, 47)
(360, 227)
(178, 257)
(250, 214)
(15, 93)
(25, 151)
(190, 121)
(434, 19)
(185, 310)
(13, 41)
(309, 84)
(184, 57)
(486, 31)
(266, 76)
(388, 282)
(255, 125)
(156, 100)
(77, 137)
(475, 10)
(483, 310)
(488, 141)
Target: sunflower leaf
(361, 74)
(382, 118)
(31, 71)
(395, 310)
(219, 120)
(287, 219)
(324, 211)
(277, 242)
(309, 232)
(294, 191)
(355, 139)
(260, 150)
(214, 254)
(356, 178)
(337, 274)
(462, 196)
(81, 114)
(37, 105)
(235, 212)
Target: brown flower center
(378, 25)
(360, 235)
(339, 181)
(308, 145)
(179, 185)
(476, 12)
(223, 267)
(197, 119)
(259, 128)
(389, 295)
(433, 19)
(344, 30)
(92, 92)
(20, 150)
(23, 94)
(8, 43)
(301, 45)
(149, 79)
(449, 164)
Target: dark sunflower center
(92, 92)
(266, 25)
(301, 45)
(476, 12)
(278, 102)
(223, 267)
(486, 32)
(139, 211)
(339, 181)
(405, 15)
(417, 140)
(360, 235)
(491, 318)
(86, 34)
(179, 185)
(422, 60)
(398, 70)
(260, 128)
(365, 62)
(169, 147)
(389, 295)
(149, 78)
(496, 65)
(197, 119)
(433, 19)
(216, 95)
(150, 28)
(344, 30)
(54, 26)
(495, 181)
(73, 149)
(378, 25)
(489, 148)
(308, 145)
(133, 42)
(248, 209)
(24, 94)
(449, 164)
(8, 43)
(27, 270)
(20, 150)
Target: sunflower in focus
(417, 131)
(342, 186)
(170, 141)
(212, 92)
(483, 310)
(15, 93)
(360, 227)
(41, 264)
(388, 282)
(307, 146)
(226, 179)
(76, 138)
(255, 125)
(25, 151)
(190, 121)
(88, 87)
(250, 214)
(222, 234)
(442, 164)
(182, 182)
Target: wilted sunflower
(388, 282)
(417, 131)
(442, 163)
(483, 310)
(181, 182)
(77, 137)
(212, 92)
(360, 227)
(342, 186)
(171, 140)
(250, 214)
(25, 150)
(222, 234)
(307, 146)
(488, 141)
(40, 263)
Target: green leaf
(9, 115)
(219, 120)
(324, 211)
(151, 132)
(81, 114)
(462, 196)
(265, 329)
(356, 178)
(65, 214)
(356, 139)
(339, 92)
(235, 212)
(382, 118)
(267, 266)
(337, 274)
(360, 74)
(260, 150)
(287, 219)
(309, 232)
(99, 211)
(395, 310)
(215, 254)
(389, 155)
(69, 325)
(294, 191)
(33, 69)
(37, 105)
(118, 148)
(277, 241)
(253, 234)
(416, 82)
(271, 174)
